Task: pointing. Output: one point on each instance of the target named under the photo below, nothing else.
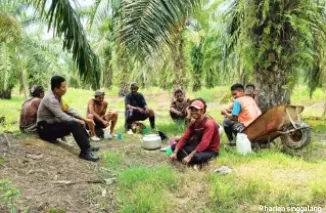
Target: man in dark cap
(28, 114)
(96, 111)
(137, 109)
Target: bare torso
(99, 109)
(29, 112)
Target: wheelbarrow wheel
(297, 139)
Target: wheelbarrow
(280, 121)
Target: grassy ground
(148, 182)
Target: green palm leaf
(65, 21)
(145, 23)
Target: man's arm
(184, 139)
(172, 108)
(235, 111)
(55, 108)
(256, 98)
(93, 112)
(227, 111)
(128, 102)
(206, 139)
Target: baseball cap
(133, 84)
(197, 104)
(99, 93)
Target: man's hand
(173, 156)
(89, 121)
(81, 122)
(140, 110)
(187, 159)
(105, 123)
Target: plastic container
(119, 136)
(243, 144)
(168, 151)
(145, 131)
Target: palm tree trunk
(124, 75)
(271, 84)
(108, 75)
(24, 83)
(179, 61)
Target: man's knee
(151, 112)
(114, 116)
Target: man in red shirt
(201, 141)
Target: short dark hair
(250, 85)
(202, 100)
(37, 91)
(56, 82)
(178, 91)
(237, 87)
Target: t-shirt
(137, 100)
(236, 108)
(207, 132)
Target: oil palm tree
(65, 22)
(274, 41)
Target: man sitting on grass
(137, 109)
(96, 111)
(28, 114)
(244, 112)
(53, 122)
(201, 141)
(179, 111)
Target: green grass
(144, 189)
(112, 159)
(268, 177)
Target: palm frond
(145, 23)
(10, 29)
(99, 11)
(65, 21)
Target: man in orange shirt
(244, 112)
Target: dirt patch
(38, 169)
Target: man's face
(237, 93)
(134, 90)
(42, 95)
(196, 113)
(179, 96)
(61, 90)
(99, 99)
(250, 92)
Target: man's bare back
(29, 113)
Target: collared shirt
(50, 110)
